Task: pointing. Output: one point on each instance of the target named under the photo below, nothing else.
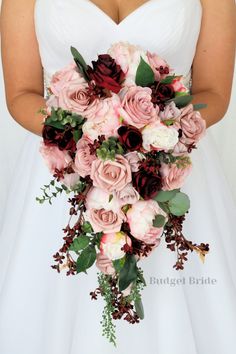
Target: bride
(187, 312)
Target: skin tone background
(11, 131)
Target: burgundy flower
(106, 73)
(62, 138)
(147, 184)
(130, 137)
(162, 93)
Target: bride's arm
(22, 66)
(213, 65)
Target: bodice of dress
(168, 27)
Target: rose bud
(130, 137)
(106, 73)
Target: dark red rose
(130, 137)
(162, 93)
(106, 73)
(147, 184)
(63, 139)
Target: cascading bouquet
(118, 135)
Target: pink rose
(104, 120)
(159, 66)
(174, 177)
(192, 124)
(54, 158)
(140, 218)
(138, 109)
(104, 264)
(76, 98)
(133, 159)
(111, 175)
(170, 112)
(64, 77)
(112, 243)
(128, 195)
(83, 157)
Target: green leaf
(144, 74)
(79, 243)
(159, 220)
(181, 101)
(80, 62)
(198, 107)
(168, 79)
(118, 264)
(179, 204)
(86, 259)
(54, 124)
(164, 207)
(128, 273)
(139, 308)
(77, 135)
(165, 196)
(86, 227)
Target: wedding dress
(186, 312)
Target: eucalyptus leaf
(139, 308)
(159, 220)
(198, 107)
(180, 204)
(165, 196)
(86, 259)
(128, 273)
(181, 101)
(144, 74)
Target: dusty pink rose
(83, 158)
(180, 149)
(54, 158)
(111, 175)
(140, 218)
(104, 120)
(128, 195)
(76, 98)
(112, 243)
(192, 124)
(159, 66)
(104, 264)
(64, 77)
(128, 57)
(170, 112)
(104, 220)
(133, 159)
(137, 106)
(173, 177)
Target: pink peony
(100, 199)
(111, 175)
(128, 195)
(104, 120)
(173, 177)
(64, 77)
(83, 158)
(104, 264)
(192, 124)
(159, 66)
(54, 158)
(128, 57)
(112, 243)
(137, 106)
(140, 218)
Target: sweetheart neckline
(126, 18)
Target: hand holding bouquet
(118, 136)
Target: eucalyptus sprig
(48, 194)
(59, 118)
(109, 149)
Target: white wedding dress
(43, 312)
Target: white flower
(158, 136)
